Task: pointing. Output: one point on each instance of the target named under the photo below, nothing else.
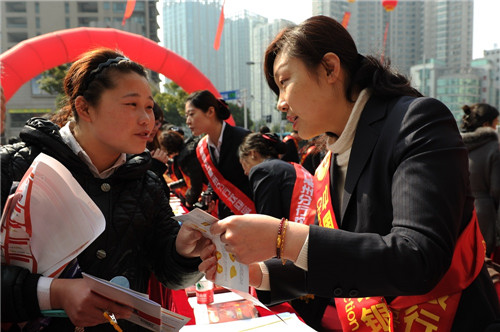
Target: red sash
(301, 208)
(309, 151)
(289, 137)
(234, 198)
(433, 311)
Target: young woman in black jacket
(103, 147)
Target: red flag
(220, 26)
(345, 20)
(128, 10)
(385, 42)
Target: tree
(238, 115)
(52, 82)
(172, 102)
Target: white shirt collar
(70, 140)
(219, 142)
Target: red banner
(220, 26)
(128, 10)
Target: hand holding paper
(230, 273)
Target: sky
(486, 27)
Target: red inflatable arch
(33, 56)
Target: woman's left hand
(190, 242)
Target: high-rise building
(453, 40)
(21, 20)
(189, 29)
(262, 100)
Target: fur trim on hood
(479, 137)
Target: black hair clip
(108, 63)
(99, 68)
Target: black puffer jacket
(139, 237)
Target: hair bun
(466, 109)
(224, 111)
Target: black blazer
(406, 200)
(272, 184)
(229, 164)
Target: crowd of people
(376, 203)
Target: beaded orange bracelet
(279, 239)
(282, 249)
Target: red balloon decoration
(389, 5)
(33, 56)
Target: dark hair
(264, 130)
(204, 99)
(267, 145)
(90, 76)
(158, 112)
(318, 35)
(171, 141)
(477, 115)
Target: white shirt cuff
(302, 257)
(43, 293)
(265, 285)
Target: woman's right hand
(84, 307)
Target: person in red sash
(218, 152)
(397, 242)
(280, 189)
(186, 163)
(291, 153)
(314, 153)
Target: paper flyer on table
(280, 322)
(147, 313)
(49, 219)
(230, 273)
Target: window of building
(16, 37)
(35, 87)
(37, 7)
(17, 22)
(85, 21)
(119, 7)
(67, 23)
(66, 7)
(15, 7)
(87, 7)
(139, 6)
(19, 116)
(106, 6)
(138, 19)
(37, 22)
